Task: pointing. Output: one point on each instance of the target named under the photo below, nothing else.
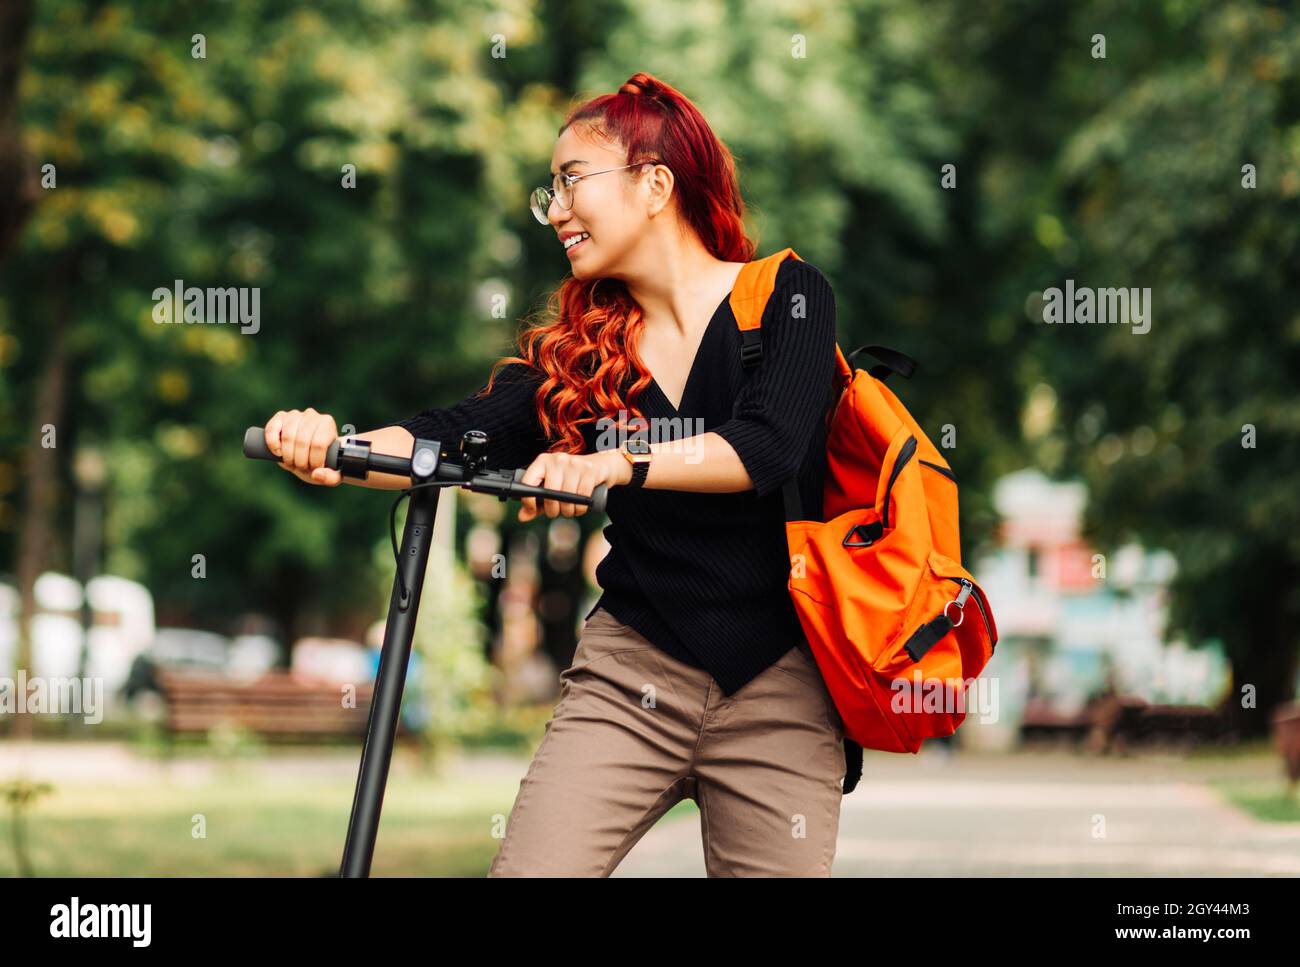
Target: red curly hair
(585, 343)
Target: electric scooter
(429, 471)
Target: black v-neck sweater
(701, 575)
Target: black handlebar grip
(597, 505)
(598, 495)
(255, 447)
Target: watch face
(638, 445)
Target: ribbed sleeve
(508, 415)
(783, 400)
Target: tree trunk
(19, 186)
(1268, 662)
(40, 470)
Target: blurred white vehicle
(122, 627)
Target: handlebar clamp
(353, 458)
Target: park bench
(274, 705)
(1117, 721)
(1041, 721)
(1120, 721)
(1191, 723)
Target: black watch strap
(639, 471)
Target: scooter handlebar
(500, 483)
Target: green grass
(260, 823)
(257, 827)
(1249, 775)
(257, 823)
(1264, 799)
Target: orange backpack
(878, 584)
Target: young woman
(692, 677)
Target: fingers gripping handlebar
(353, 458)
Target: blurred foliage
(226, 170)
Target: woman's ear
(660, 182)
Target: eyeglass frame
(571, 180)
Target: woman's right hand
(300, 439)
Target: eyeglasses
(562, 190)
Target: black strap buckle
(864, 535)
(751, 347)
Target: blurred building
(1073, 622)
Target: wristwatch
(637, 451)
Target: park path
(1028, 814)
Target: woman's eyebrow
(569, 164)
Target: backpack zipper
(966, 588)
(943, 470)
(905, 453)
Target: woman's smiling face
(613, 208)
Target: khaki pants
(636, 731)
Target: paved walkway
(1027, 815)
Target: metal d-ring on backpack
(878, 584)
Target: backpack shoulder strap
(749, 298)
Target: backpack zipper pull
(966, 587)
(959, 601)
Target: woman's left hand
(576, 473)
